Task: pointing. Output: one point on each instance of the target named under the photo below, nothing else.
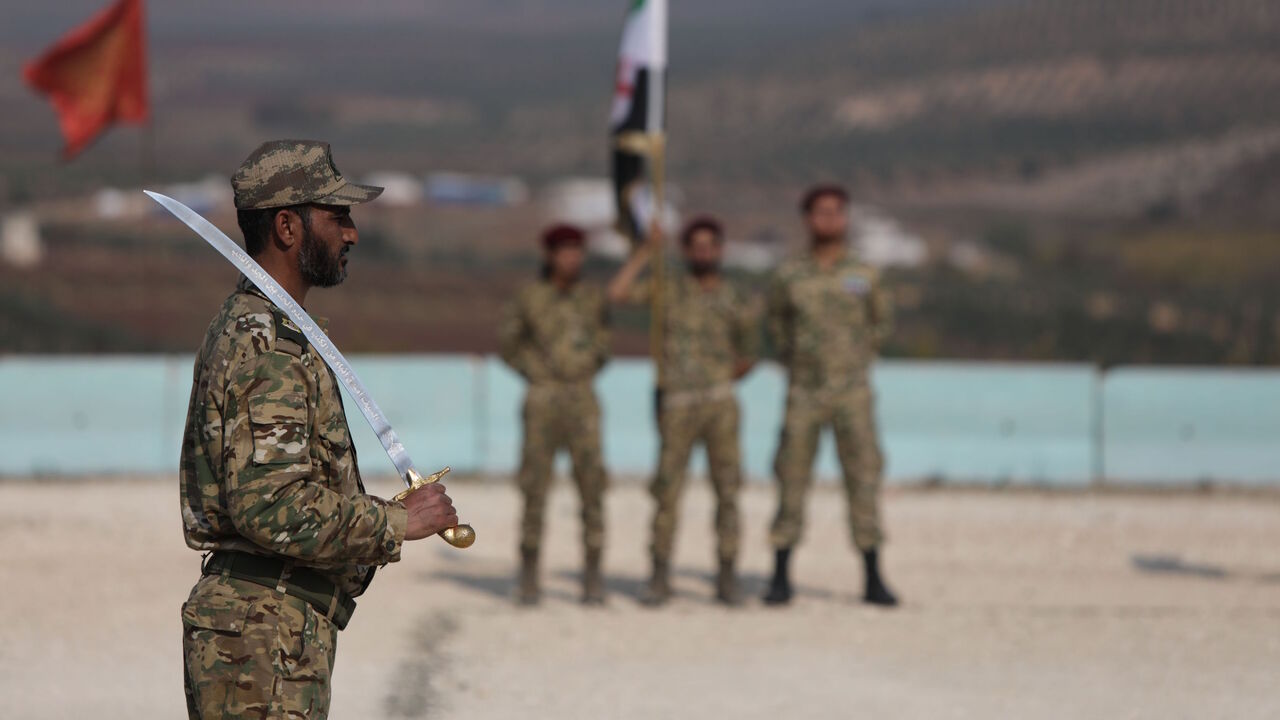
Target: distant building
(204, 196)
(399, 189)
(117, 204)
(464, 189)
(20, 243)
(883, 242)
(586, 202)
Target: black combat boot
(877, 593)
(780, 587)
(592, 580)
(727, 584)
(528, 592)
(659, 590)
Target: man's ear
(286, 228)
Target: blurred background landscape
(1090, 181)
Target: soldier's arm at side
(601, 336)
(513, 339)
(778, 318)
(746, 337)
(269, 498)
(881, 312)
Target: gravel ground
(1018, 604)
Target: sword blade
(331, 355)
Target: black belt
(301, 582)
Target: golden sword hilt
(459, 536)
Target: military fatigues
(705, 332)
(827, 326)
(269, 469)
(558, 341)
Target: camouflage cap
(293, 172)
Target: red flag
(96, 75)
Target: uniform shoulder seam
(250, 325)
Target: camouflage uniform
(252, 652)
(268, 473)
(827, 326)
(705, 333)
(558, 341)
(268, 468)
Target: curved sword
(462, 535)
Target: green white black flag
(639, 105)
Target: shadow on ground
(1174, 565)
(503, 586)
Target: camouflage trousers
(561, 416)
(714, 423)
(252, 652)
(850, 414)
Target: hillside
(1108, 168)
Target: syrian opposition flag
(639, 106)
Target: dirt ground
(1018, 604)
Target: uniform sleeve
(270, 498)
(640, 291)
(778, 318)
(881, 313)
(601, 337)
(515, 341)
(746, 329)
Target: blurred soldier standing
(709, 341)
(828, 315)
(270, 488)
(555, 336)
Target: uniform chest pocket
(847, 301)
(855, 285)
(279, 425)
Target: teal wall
(1040, 424)
(1191, 424)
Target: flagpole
(657, 315)
(657, 108)
(638, 127)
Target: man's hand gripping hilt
(461, 536)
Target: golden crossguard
(459, 536)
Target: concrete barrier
(1043, 424)
(1190, 425)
